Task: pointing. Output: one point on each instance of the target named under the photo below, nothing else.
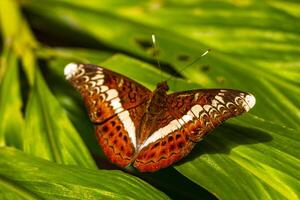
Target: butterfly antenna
(196, 60)
(156, 54)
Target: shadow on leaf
(225, 138)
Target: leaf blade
(69, 182)
(11, 118)
(49, 133)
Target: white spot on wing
(250, 100)
(98, 76)
(162, 132)
(128, 125)
(115, 103)
(187, 118)
(214, 103)
(190, 113)
(70, 70)
(220, 99)
(118, 110)
(112, 93)
(181, 122)
(175, 124)
(207, 107)
(103, 88)
(196, 109)
(100, 82)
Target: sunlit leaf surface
(49, 133)
(258, 45)
(27, 177)
(255, 48)
(11, 119)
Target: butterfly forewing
(115, 105)
(190, 116)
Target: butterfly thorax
(158, 100)
(156, 106)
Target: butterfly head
(162, 87)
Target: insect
(150, 130)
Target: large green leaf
(12, 24)
(65, 94)
(255, 48)
(246, 43)
(249, 152)
(49, 133)
(27, 177)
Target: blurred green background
(47, 144)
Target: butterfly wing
(115, 105)
(188, 117)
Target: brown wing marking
(106, 93)
(208, 108)
(115, 105)
(164, 152)
(115, 141)
(194, 115)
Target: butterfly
(151, 130)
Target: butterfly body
(150, 130)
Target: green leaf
(12, 24)
(255, 48)
(67, 55)
(48, 133)
(65, 93)
(246, 46)
(246, 152)
(11, 119)
(27, 177)
(145, 73)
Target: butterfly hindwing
(115, 141)
(191, 115)
(115, 105)
(164, 152)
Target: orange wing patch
(115, 142)
(164, 152)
